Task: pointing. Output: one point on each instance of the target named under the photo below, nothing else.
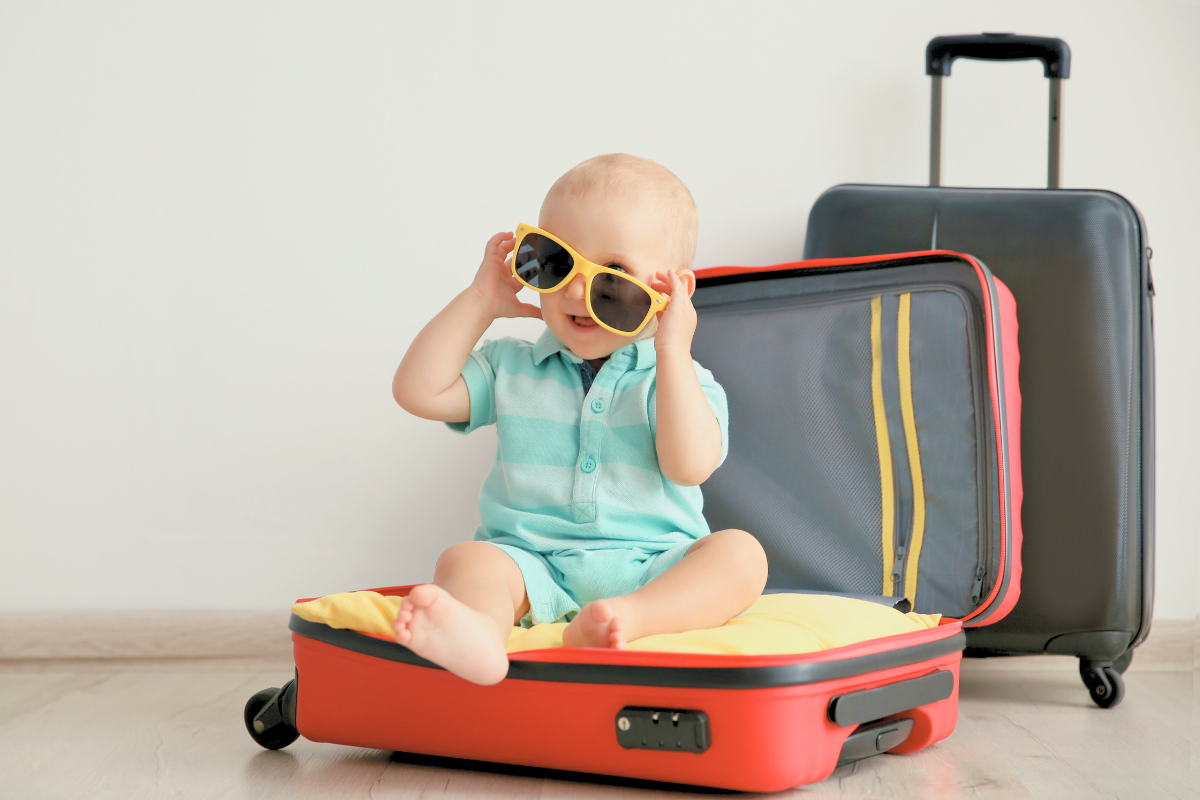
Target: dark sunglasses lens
(542, 262)
(618, 302)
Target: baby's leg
(720, 577)
(462, 620)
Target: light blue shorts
(559, 584)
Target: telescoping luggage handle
(1054, 54)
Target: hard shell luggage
(1079, 265)
(874, 450)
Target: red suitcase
(930, 339)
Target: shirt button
(588, 465)
(597, 405)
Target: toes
(421, 596)
(616, 637)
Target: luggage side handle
(855, 708)
(1055, 56)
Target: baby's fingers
(509, 279)
(668, 278)
(496, 244)
(682, 288)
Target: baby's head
(615, 210)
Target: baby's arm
(688, 438)
(428, 382)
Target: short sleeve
(480, 376)
(715, 394)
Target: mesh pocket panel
(803, 467)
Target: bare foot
(437, 627)
(597, 625)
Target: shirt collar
(638, 355)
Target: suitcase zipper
(983, 541)
(898, 572)
(901, 540)
(977, 589)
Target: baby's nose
(576, 287)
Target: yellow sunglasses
(617, 301)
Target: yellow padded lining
(777, 624)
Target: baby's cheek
(552, 305)
(554, 317)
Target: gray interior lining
(803, 471)
(944, 409)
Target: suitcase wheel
(1103, 681)
(270, 717)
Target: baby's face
(613, 232)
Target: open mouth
(582, 322)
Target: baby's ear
(689, 280)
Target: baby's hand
(677, 322)
(496, 285)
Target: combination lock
(663, 729)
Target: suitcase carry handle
(1055, 56)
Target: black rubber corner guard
(856, 708)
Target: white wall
(222, 223)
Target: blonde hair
(623, 175)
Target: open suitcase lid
(874, 426)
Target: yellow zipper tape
(914, 451)
(886, 483)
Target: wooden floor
(111, 729)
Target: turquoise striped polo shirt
(572, 471)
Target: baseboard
(136, 635)
(1170, 647)
(90, 635)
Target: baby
(592, 510)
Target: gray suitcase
(1078, 264)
